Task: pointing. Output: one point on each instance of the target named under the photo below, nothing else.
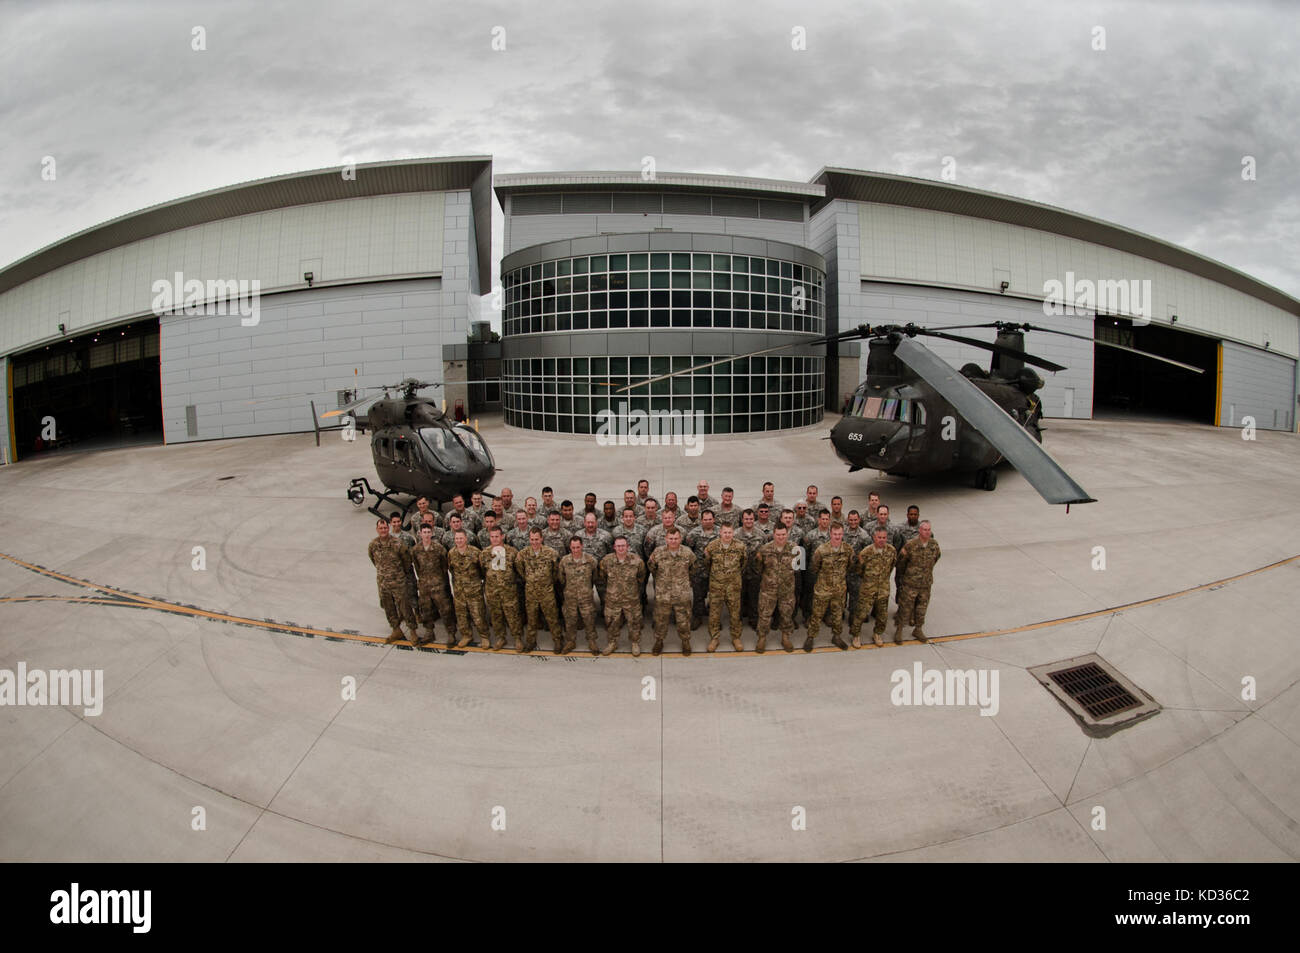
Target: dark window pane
(599, 282)
(659, 260)
(618, 318)
(599, 302)
(639, 318)
(659, 318)
(702, 318)
(580, 282)
(703, 262)
(579, 266)
(599, 263)
(639, 279)
(681, 260)
(681, 319)
(659, 279)
(638, 299)
(618, 262)
(638, 261)
(660, 299)
(681, 279)
(702, 280)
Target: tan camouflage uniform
(916, 563)
(578, 576)
(538, 572)
(501, 595)
(672, 572)
(467, 593)
(391, 559)
(874, 567)
(725, 565)
(623, 583)
(775, 590)
(431, 568)
(830, 564)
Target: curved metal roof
(860, 186)
(280, 191)
(662, 182)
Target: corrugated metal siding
(1259, 384)
(935, 307)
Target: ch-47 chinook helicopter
(417, 450)
(915, 414)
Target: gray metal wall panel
(1259, 384)
(362, 328)
(6, 450)
(1066, 393)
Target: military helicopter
(417, 450)
(915, 414)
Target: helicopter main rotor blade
(1001, 326)
(347, 407)
(996, 349)
(997, 427)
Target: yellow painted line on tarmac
(126, 599)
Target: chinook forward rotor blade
(979, 410)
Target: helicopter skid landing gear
(986, 479)
(358, 489)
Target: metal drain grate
(1099, 694)
(1096, 693)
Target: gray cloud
(1148, 133)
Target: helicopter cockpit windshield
(440, 441)
(474, 444)
(901, 409)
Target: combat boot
(786, 643)
(737, 645)
(686, 646)
(857, 642)
(519, 646)
(761, 645)
(839, 643)
(898, 632)
(451, 640)
(713, 644)
(499, 644)
(919, 634)
(658, 647)
(394, 636)
(558, 648)
(808, 644)
(610, 646)
(464, 641)
(591, 644)
(875, 638)
(636, 648)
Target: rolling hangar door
(1257, 383)
(92, 392)
(1128, 382)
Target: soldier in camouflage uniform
(609, 518)
(706, 502)
(727, 511)
(517, 536)
(776, 588)
(415, 517)
(857, 539)
(536, 520)
(725, 561)
(875, 563)
(830, 564)
(882, 522)
(657, 535)
(672, 565)
(815, 537)
(569, 522)
(430, 559)
(904, 532)
(634, 533)
(508, 505)
(698, 539)
(548, 505)
(448, 536)
(555, 536)
(484, 536)
(768, 497)
(536, 565)
(763, 521)
(670, 506)
(690, 518)
(623, 575)
(468, 521)
(873, 503)
(498, 562)
(467, 591)
(916, 563)
(577, 574)
(407, 540)
(649, 515)
(837, 511)
(630, 502)
(597, 544)
(752, 540)
(390, 559)
(478, 509)
(805, 522)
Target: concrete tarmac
(240, 739)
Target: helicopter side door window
(402, 453)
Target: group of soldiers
(475, 566)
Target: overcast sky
(1149, 132)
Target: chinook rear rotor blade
(979, 410)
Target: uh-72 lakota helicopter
(417, 450)
(915, 414)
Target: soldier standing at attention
(507, 498)
(649, 515)
(430, 560)
(589, 506)
(698, 539)
(518, 536)
(810, 497)
(802, 520)
(484, 535)
(549, 505)
(873, 503)
(657, 535)
(498, 563)
(691, 518)
(830, 564)
(811, 540)
(882, 522)
(702, 494)
(630, 502)
(776, 588)
(751, 539)
(390, 559)
(725, 561)
(642, 492)
(407, 540)
(837, 511)
(448, 537)
(536, 520)
(670, 506)
(467, 591)
(875, 563)
(536, 565)
(671, 565)
(916, 563)
(857, 539)
(623, 574)
(577, 573)
(477, 508)
(763, 521)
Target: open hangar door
(96, 391)
(1126, 383)
(1257, 383)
